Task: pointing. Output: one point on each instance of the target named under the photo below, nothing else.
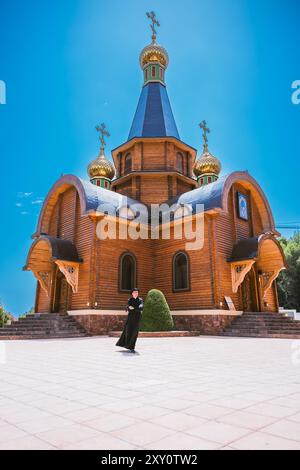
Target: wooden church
(233, 272)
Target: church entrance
(249, 292)
(61, 294)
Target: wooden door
(249, 292)
(61, 295)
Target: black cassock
(132, 325)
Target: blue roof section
(97, 198)
(210, 195)
(154, 116)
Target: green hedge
(156, 314)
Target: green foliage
(156, 314)
(4, 317)
(289, 280)
(23, 315)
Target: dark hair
(134, 289)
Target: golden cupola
(154, 53)
(101, 171)
(208, 167)
(154, 58)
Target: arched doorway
(55, 264)
(61, 293)
(249, 292)
(255, 264)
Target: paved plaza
(175, 393)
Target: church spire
(207, 168)
(154, 116)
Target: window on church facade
(179, 162)
(153, 71)
(127, 272)
(128, 164)
(181, 272)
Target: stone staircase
(263, 325)
(43, 326)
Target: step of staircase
(263, 325)
(159, 334)
(43, 326)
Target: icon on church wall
(242, 206)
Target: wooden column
(138, 188)
(213, 260)
(170, 187)
(142, 156)
(188, 162)
(93, 265)
(119, 170)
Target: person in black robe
(130, 331)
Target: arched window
(127, 272)
(128, 164)
(181, 275)
(179, 162)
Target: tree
(4, 317)
(156, 314)
(289, 279)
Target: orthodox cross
(206, 131)
(152, 16)
(102, 130)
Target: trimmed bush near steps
(156, 314)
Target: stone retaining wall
(204, 324)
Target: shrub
(156, 314)
(4, 318)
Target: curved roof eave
(248, 248)
(61, 250)
(215, 195)
(92, 199)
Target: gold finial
(152, 16)
(102, 130)
(206, 131)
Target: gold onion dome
(154, 53)
(207, 163)
(101, 167)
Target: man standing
(130, 332)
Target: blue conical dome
(154, 116)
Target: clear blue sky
(71, 64)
